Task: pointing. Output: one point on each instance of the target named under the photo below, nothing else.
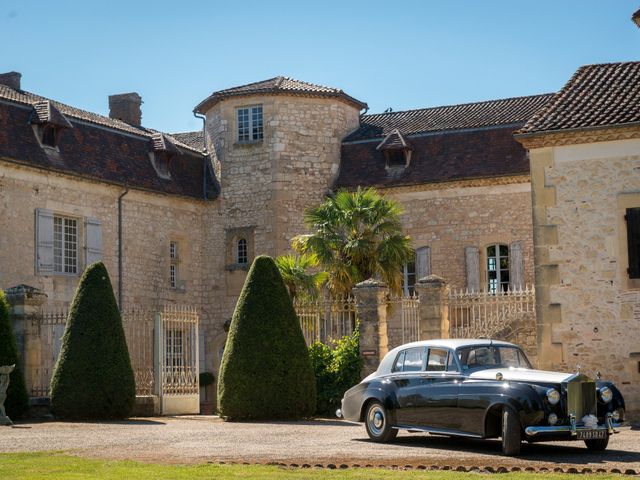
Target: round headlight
(606, 395)
(553, 419)
(553, 396)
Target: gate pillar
(371, 304)
(433, 292)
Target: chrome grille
(581, 398)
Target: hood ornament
(499, 376)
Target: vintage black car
(483, 389)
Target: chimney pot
(11, 79)
(126, 107)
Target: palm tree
(295, 271)
(357, 236)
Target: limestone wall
(455, 216)
(266, 185)
(589, 310)
(150, 222)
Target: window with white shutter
(423, 262)
(93, 231)
(44, 241)
(516, 265)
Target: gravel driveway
(201, 439)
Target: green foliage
(17, 401)
(93, 378)
(300, 281)
(265, 372)
(337, 369)
(357, 236)
(206, 379)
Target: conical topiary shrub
(266, 372)
(17, 401)
(93, 378)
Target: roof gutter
(575, 130)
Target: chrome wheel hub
(376, 420)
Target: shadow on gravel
(311, 423)
(543, 452)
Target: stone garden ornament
(4, 384)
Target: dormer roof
(45, 112)
(163, 143)
(394, 141)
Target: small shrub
(206, 379)
(17, 401)
(337, 369)
(93, 378)
(265, 372)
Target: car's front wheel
(597, 444)
(377, 423)
(511, 432)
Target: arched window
(241, 252)
(497, 268)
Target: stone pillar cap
(23, 291)
(432, 279)
(371, 283)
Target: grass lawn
(53, 466)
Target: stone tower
(276, 146)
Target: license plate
(591, 434)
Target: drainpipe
(120, 276)
(204, 152)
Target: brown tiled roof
(507, 111)
(437, 157)
(600, 95)
(164, 143)
(278, 86)
(99, 149)
(27, 98)
(194, 139)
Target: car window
(451, 363)
(397, 367)
(413, 358)
(491, 356)
(437, 360)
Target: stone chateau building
(178, 218)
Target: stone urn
(5, 371)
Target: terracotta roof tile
(508, 111)
(46, 112)
(596, 96)
(278, 86)
(194, 139)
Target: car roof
(454, 343)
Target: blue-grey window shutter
(472, 263)
(44, 241)
(423, 262)
(516, 265)
(93, 229)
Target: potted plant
(207, 405)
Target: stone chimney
(126, 107)
(11, 80)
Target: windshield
(491, 356)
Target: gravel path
(208, 439)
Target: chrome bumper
(572, 430)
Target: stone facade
(462, 214)
(588, 308)
(266, 185)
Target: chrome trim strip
(533, 431)
(439, 431)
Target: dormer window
(397, 152)
(48, 135)
(48, 122)
(164, 149)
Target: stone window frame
(233, 236)
(40, 130)
(252, 119)
(160, 162)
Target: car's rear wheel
(597, 444)
(511, 432)
(378, 424)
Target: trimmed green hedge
(266, 372)
(17, 402)
(337, 369)
(93, 378)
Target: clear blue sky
(399, 54)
